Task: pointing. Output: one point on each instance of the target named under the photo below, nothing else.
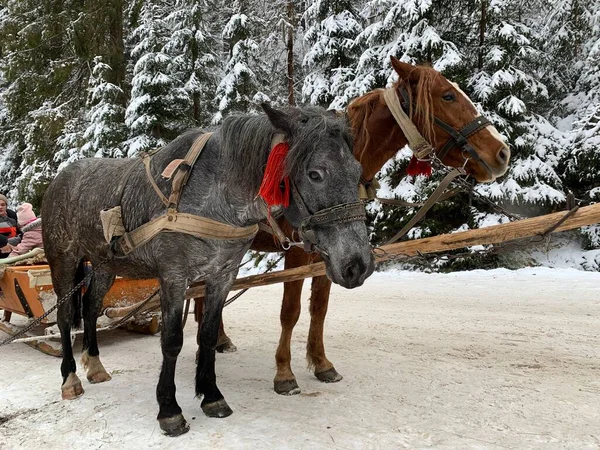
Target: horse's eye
(315, 175)
(448, 97)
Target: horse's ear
(404, 70)
(278, 119)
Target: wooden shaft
(496, 234)
(117, 312)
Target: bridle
(458, 138)
(334, 215)
(309, 221)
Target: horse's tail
(77, 297)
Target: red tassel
(418, 167)
(270, 188)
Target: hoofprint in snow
(483, 359)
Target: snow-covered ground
(494, 359)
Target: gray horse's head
(325, 173)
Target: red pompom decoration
(270, 188)
(418, 167)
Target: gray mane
(246, 142)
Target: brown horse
(440, 111)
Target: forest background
(113, 78)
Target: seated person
(4, 247)
(32, 238)
(8, 226)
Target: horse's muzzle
(356, 272)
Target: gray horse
(222, 186)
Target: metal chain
(468, 187)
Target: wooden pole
(496, 234)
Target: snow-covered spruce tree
(105, 115)
(332, 27)
(507, 83)
(581, 161)
(415, 31)
(158, 107)
(563, 34)
(46, 51)
(239, 88)
(40, 92)
(280, 37)
(192, 45)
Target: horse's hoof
(96, 373)
(218, 409)
(226, 347)
(72, 388)
(286, 387)
(329, 376)
(174, 426)
(98, 377)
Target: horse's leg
(224, 343)
(92, 305)
(213, 403)
(64, 272)
(285, 381)
(171, 421)
(315, 350)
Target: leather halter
(342, 213)
(458, 138)
(334, 215)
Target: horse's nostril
(503, 155)
(352, 271)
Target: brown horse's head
(434, 97)
(438, 108)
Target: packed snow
(482, 359)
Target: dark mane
(246, 142)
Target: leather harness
(178, 171)
(422, 149)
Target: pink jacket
(31, 239)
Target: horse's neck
(380, 139)
(220, 200)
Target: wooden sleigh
(27, 291)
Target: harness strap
(459, 138)
(172, 221)
(437, 194)
(201, 227)
(367, 190)
(182, 169)
(147, 161)
(417, 143)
